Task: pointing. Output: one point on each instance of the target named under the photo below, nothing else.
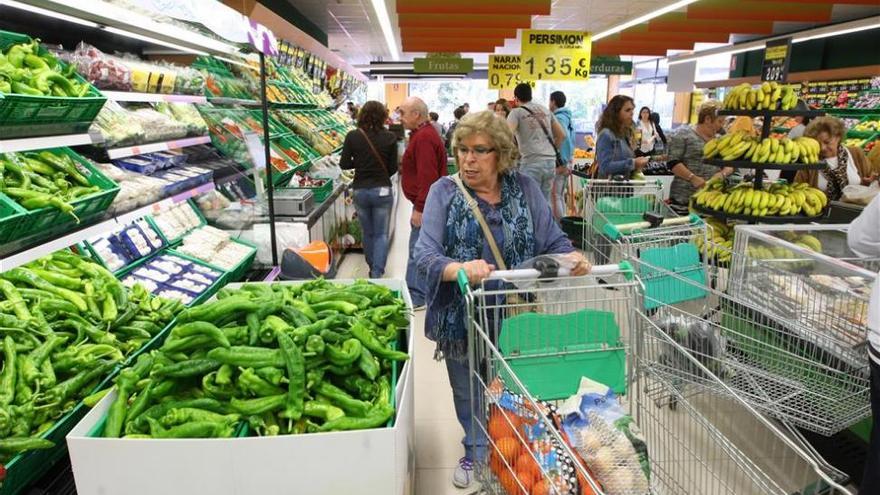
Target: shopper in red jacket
(423, 163)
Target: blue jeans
(374, 213)
(543, 172)
(416, 292)
(475, 442)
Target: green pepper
(305, 309)
(109, 311)
(359, 386)
(296, 317)
(182, 415)
(216, 390)
(224, 375)
(25, 276)
(47, 375)
(253, 323)
(13, 446)
(252, 384)
(272, 375)
(340, 398)
(358, 300)
(196, 429)
(157, 411)
(23, 89)
(360, 332)
(271, 326)
(174, 345)
(216, 310)
(377, 416)
(64, 163)
(331, 337)
(368, 364)
(248, 357)
(187, 369)
(341, 306)
(201, 328)
(8, 375)
(11, 293)
(301, 334)
(118, 410)
(315, 344)
(296, 376)
(327, 412)
(141, 401)
(252, 407)
(68, 388)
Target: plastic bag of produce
(606, 438)
(703, 341)
(860, 195)
(117, 126)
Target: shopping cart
(707, 444)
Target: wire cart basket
(530, 344)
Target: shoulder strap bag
(375, 152)
(559, 161)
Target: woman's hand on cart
(477, 270)
(580, 265)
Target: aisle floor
(438, 434)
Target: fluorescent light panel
(148, 39)
(811, 34)
(48, 13)
(385, 24)
(643, 19)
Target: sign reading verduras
(555, 55)
(504, 71)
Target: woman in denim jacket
(614, 151)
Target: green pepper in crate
(13, 446)
(296, 376)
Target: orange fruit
(509, 483)
(541, 488)
(496, 464)
(527, 464)
(526, 480)
(509, 448)
(503, 424)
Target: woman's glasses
(479, 151)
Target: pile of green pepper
(65, 323)
(285, 359)
(25, 70)
(43, 179)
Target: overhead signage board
(611, 67)
(504, 71)
(437, 65)
(555, 55)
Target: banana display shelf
(804, 215)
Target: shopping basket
(697, 443)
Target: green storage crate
(51, 222)
(27, 467)
(10, 218)
(24, 115)
(852, 133)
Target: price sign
(555, 55)
(504, 71)
(777, 57)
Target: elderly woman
(452, 239)
(846, 165)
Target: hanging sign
(777, 57)
(611, 67)
(504, 71)
(437, 65)
(555, 55)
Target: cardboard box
(379, 461)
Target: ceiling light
(48, 13)
(385, 24)
(148, 39)
(810, 34)
(643, 19)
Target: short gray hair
(496, 129)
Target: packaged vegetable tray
(23, 115)
(55, 218)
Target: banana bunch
(779, 200)
(791, 259)
(719, 244)
(767, 96)
(741, 145)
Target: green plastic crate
(27, 467)
(51, 222)
(10, 218)
(24, 115)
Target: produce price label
(777, 57)
(504, 71)
(555, 55)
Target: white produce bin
(379, 461)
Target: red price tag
(135, 150)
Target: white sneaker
(420, 307)
(464, 473)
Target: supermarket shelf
(766, 166)
(773, 113)
(41, 143)
(153, 97)
(234, 101)
(154, 147)
(121, 20)
(71, 238)
(852, 111)
(756, 219)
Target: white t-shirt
(852, 173)
(649, 135)
(864, 239)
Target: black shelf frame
(765, 166)
(772, 113)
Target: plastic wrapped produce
(186, 114)
(128, 73)
(158, 126)
(117, 126)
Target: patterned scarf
(465, 242)
(837, 178)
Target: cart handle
(624, 267)
(624, 181)
(615, 232)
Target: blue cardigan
(614, 154)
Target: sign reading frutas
(555, 55)
(504, 71)
(777, 57)
(437, 65)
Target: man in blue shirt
(566, 150)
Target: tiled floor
(438, 433)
